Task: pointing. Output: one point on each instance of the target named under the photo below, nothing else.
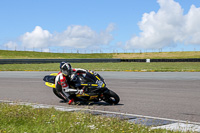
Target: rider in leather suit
(64, 80)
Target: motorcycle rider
(63, 82)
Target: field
(42, 55)
(158, 55)
(4, 54)
(123, 66)
(25, 119)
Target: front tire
(111, 97)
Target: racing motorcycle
(95, 89)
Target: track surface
(166, 95)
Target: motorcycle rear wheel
(111, 97)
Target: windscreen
(90, 77)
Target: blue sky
(100, 25)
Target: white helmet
(65, 68)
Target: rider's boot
(71, 101)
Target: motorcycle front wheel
(111, 97)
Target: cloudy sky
(100, 25)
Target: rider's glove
(80, 92)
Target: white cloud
(38, 38)
(11, 45)
(46, 50)
(75, 36)
(82, 37)
(167, 27)
(192, 27)
(111, 27)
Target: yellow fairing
(89, 84)
(50, 85)
(82, 95)
(98, 78)
(103, 85)
(93, 97)
(54, 74)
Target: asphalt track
(172, 95)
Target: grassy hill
(158, 55)
(122, 66)
(4, 54)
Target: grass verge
(21, 119)
(123, 66)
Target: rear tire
(111, 97)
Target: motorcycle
(95, 89)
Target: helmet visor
(65, 72)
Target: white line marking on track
(180, 127)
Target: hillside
(4, 54)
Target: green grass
(123, 66)
(5, 54)
(21, 119)
(159, 55)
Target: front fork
(102, 94)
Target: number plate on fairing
(93, 97)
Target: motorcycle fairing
(50, 82)
(89, 85)
(54, 74)
(94, 87)
(50, 85)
